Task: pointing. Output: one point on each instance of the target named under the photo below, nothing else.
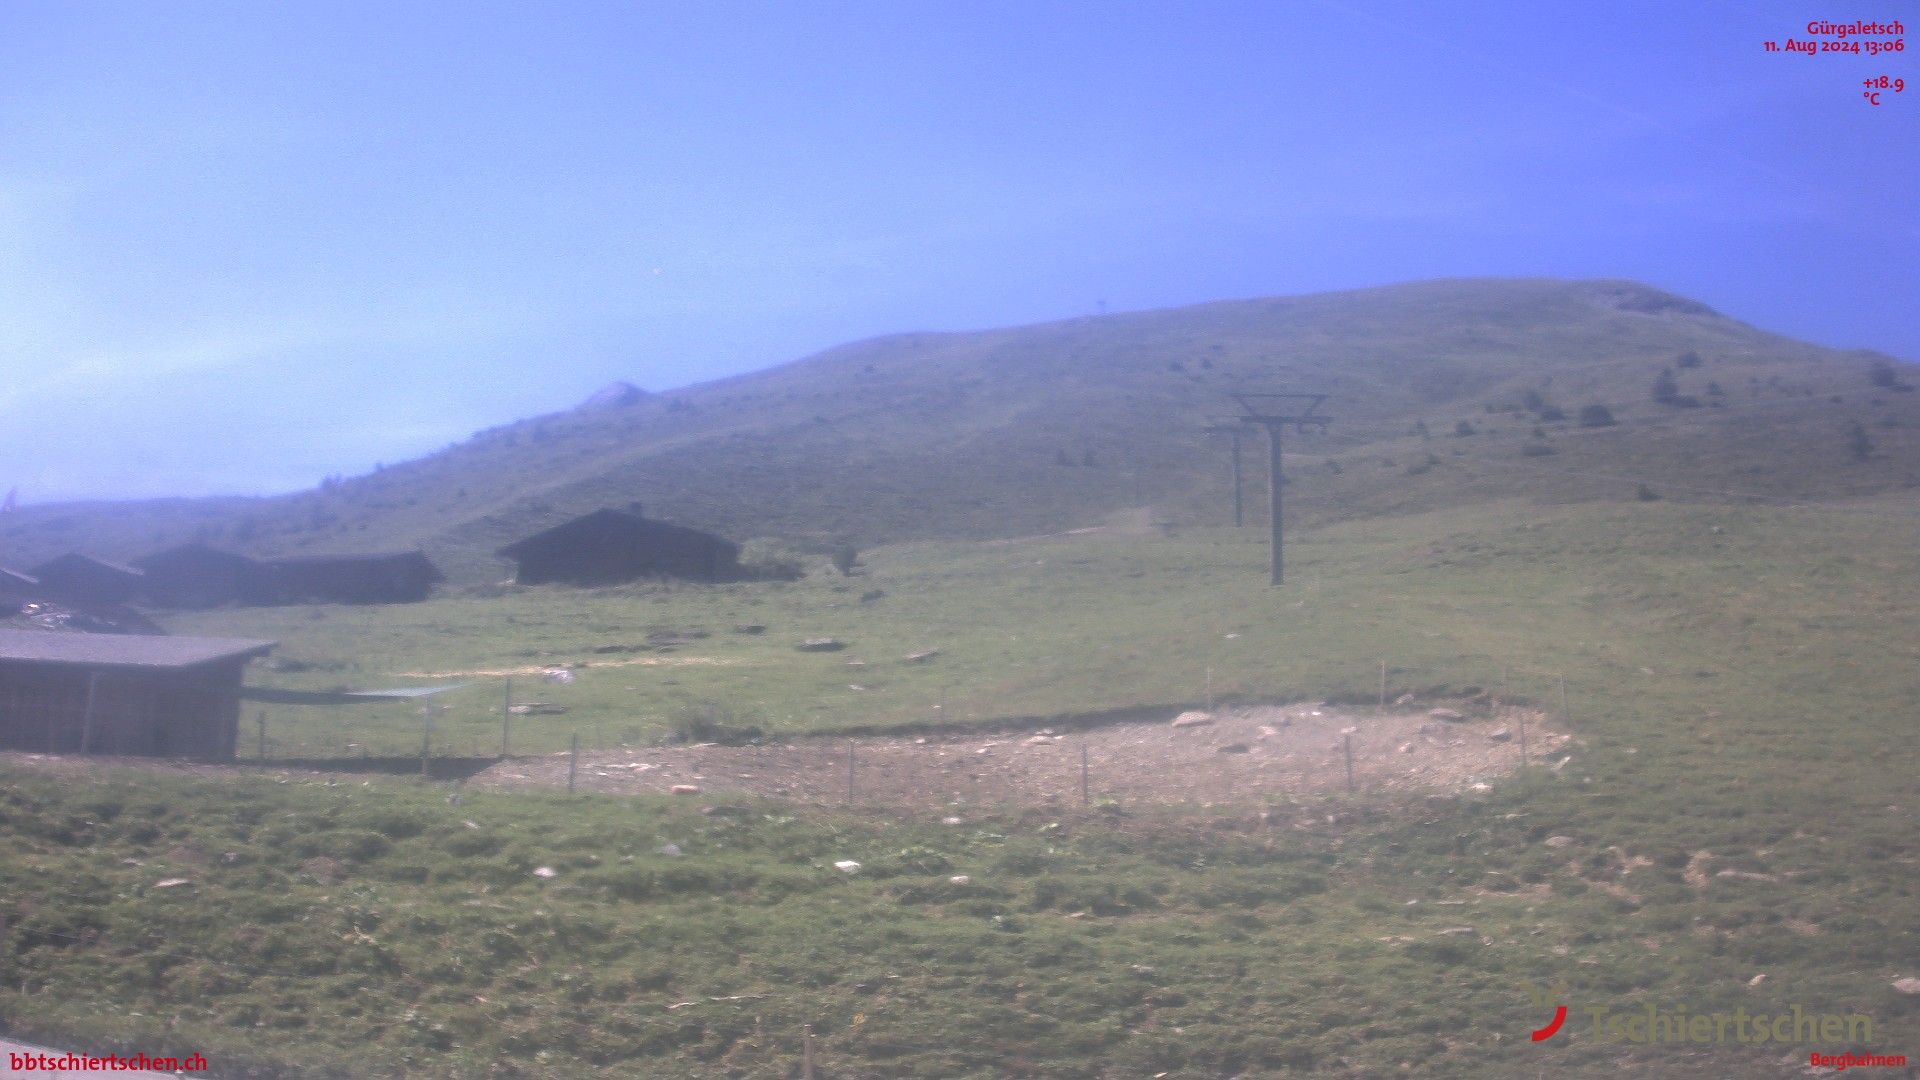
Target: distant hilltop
(1446, 393)
(614, 395)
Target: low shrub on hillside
(771, 560)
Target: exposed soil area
(1238, 755)
(1233, 756)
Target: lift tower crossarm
(1274, 411)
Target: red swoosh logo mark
(1545, 1033)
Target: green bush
(771, 560)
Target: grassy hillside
(1041, 428)
(1740, 806)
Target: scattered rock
(324, 869)
(1557, 841)
(821, 644)
(544, 871)
(1451, 716)
(1406, 748)
(1908, 985)
(1232, 748)
(749, 628)
(668, 849)
(951, 820)
(1757, 979)
(1192, 718)
(1744, 875)
(1455, 931)
(536, 708)
(1042, 740)
(1267, 732)
(557, 675)
(685, 789)
(1499, 735)
(1403, 699)
(1695, 874)
(847, 866)
(960, 879)
(922, 657)
(168, 883)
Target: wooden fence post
(86, 718)
(506, 715)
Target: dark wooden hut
(196, 576)
(116, 694)
(394, 577)
(611, 546)
(87, 580)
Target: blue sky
(244, 246)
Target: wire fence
(1413, 731)
(1408, 734)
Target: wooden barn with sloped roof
(607, 547)
(388, 577)
(88, 580)
(197, 576)
(118, 694)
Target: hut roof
(369, 558)
(116, 650)
(73, 560)
(192, 553)
(603, 523)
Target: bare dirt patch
(1242, 755)
(1238, 757)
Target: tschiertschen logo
(1652, 1023)
(1548, 999)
